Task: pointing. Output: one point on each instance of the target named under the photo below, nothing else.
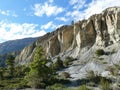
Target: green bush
(91, 84)
(20, 71)
(113, 51)
(105, 85)
(60, 87)
(13, 86)
(68, 61)
(83, 87)
(1, 73)
(90, 74)
(56, 87)
(92, 77)
(113, 70)
(58, 64)
(15, 83)
(100, 52)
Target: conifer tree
(39, 71)
(10, 64)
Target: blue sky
(33, 18)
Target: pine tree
(1, 73)
(39, 71)
(10, 64)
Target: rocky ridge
(80, 41)
(14, 47)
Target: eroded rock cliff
(98, 31)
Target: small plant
(83, 87)
(92, 84)
(58, 64)
(90, 74)
(1, 73)
(105, 85)
(101, 58)
(117, 66)
(113, 51)
(68, 61)
(55, 87)
(104, 62)
(113, 70)
(65, 75)
(100, 52)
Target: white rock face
(81, 41)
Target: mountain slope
(15, 45)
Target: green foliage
(92, 77)
(1, 73)
(83, 87)
(95, 78)
(117, 66)
(56, 87)
(68, 61)
(39, 71)
(113, 51)
(104, 62)
(105, 85)
(10, 64)
(21, 71)
(90, 74)
(58, 64)
(15, 83)
(100, 52)
(113, 70)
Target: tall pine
(10, 64)
(39, 71)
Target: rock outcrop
(98, 31)
(81, 41)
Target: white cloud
(94, 7)
(4, 12)
(49, 25)
(77, 4)
(39, 33)
(98, 6)
(8, 13)
(47, 9)
(62, 19)
(11, 31)
(72, 2)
